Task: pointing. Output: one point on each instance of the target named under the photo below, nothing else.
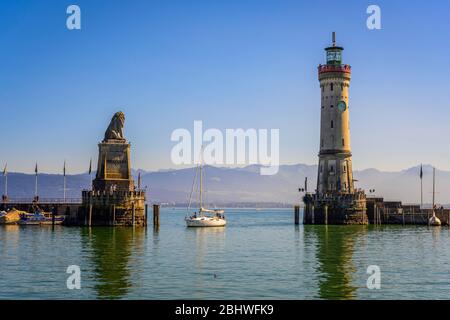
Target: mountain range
(243, 185)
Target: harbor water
(260, 254)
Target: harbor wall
(66, 209)
(390, 213)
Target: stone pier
(335, 209)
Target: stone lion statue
(115, 128)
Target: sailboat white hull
(434, 221)
(206, 222)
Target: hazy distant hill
(225, 185)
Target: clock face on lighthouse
(342, 106)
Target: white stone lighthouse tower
(336, 201)
(335, 158)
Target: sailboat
(434, 221)
(204, 217)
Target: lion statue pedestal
(114, 200)
(114, 166)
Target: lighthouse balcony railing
(324, 68)
(357, 195)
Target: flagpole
(64, 187)
(139, 181)
(421, 188)
(36, 183)
(5, 173)
(90, 173)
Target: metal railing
(44, 200)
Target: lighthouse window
(331, 169)
(331, 106)
(344, 168)
(331, 86)
(332, 124)
(343, 142)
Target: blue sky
(232, 64)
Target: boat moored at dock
(10, 217)
(434, 221)
(40, 218)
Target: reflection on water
(258, 255)
(112, 250)
(13, 239)
(435, 231)
(334, 250)
(212, 238)
(208, 242)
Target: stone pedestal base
(114, 167)
(336, 209)
(118, 208)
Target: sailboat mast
(421, 187)
(434, 185)
(201, 187)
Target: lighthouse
(336, 200)
(335, 158)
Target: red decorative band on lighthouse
(343, 68)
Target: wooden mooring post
(297, 215)
(375, 221)
(146, 214)
(133, 214)
(156, 215)
(90, 215)
(53, 216)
